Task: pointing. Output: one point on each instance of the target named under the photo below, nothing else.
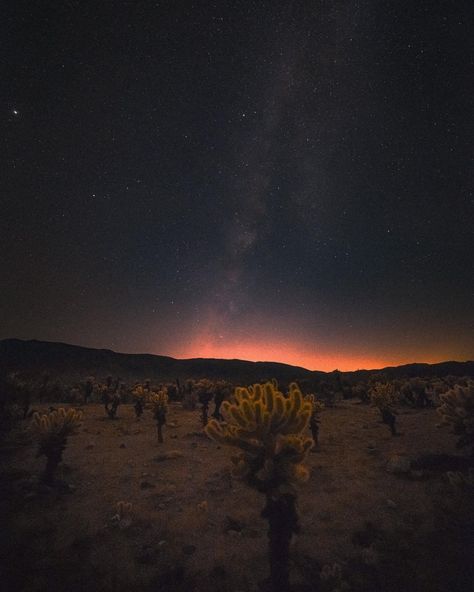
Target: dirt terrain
(387, 526)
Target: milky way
(260, 180)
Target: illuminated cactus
(457, 410)
(204, 390)
(384, 396)
(52, 431)
(159, 407)
(140, 395)
(270, 429)
(317, 407)
(110, 395)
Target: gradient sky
(286, 181)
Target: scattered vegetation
(269, 428)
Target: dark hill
(72, 362)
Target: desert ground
(374, 513)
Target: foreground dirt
(195, 528)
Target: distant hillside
(71, 363)
(412, 370)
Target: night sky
(286, 181)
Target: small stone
(146, 485)
(251, 533)
(233, 524)
(147, 556)
(398, 464)
(189, 549)
(161, 506)
(391, 504)
(234, 533)
(168, 455)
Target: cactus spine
(52, 431)
(269, 428)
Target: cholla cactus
(159, 407)
(269, 428)
(317, 407)
(205, 393)
(190, 398)
(141, 396)
(52, 431)
(384, 396)
(457, 410)
(87, 387)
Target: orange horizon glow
(293, 355)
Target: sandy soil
(387, 531)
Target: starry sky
(264, 180)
